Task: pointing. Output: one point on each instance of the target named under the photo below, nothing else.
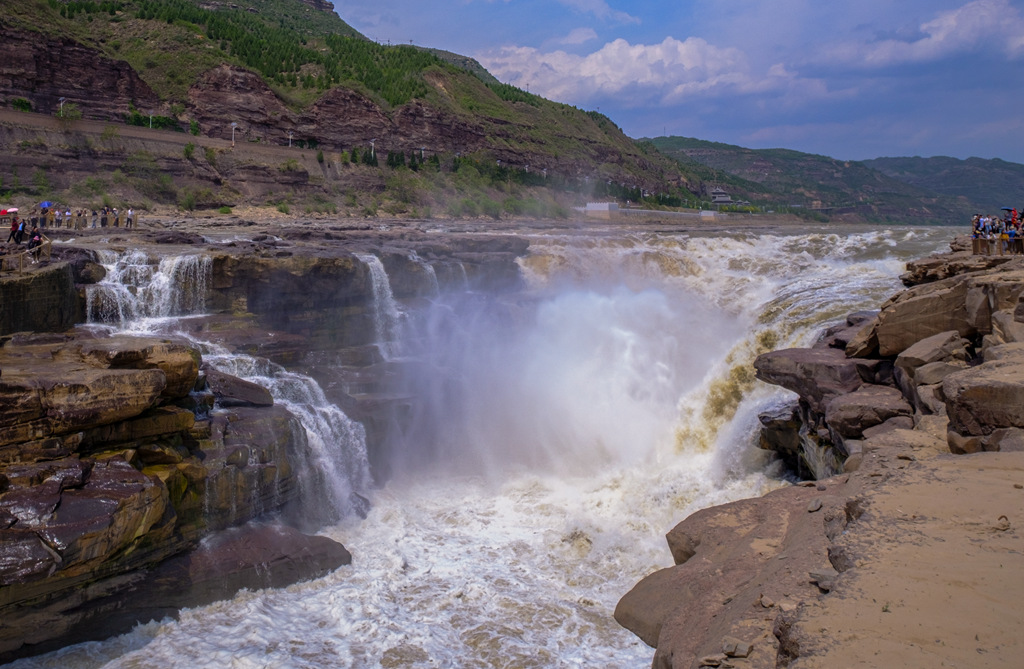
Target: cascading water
(339, 467)
(136, 288)
(140, 295)
(558, 435)
(387, 318)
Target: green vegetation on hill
(785, 178)
(988, 185)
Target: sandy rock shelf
(940, 582)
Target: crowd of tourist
(1003, 233)
(80, 219)
(31, 228)
(1007, 227)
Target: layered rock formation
(883, 402)
(110, 464)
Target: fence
(993, 247)
(18, 261)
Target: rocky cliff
(110, 465)
(901, 534)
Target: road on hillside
(262, 152)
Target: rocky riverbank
(905, 551)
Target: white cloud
(579, 36)
(600, 9)
(661, 74)
(992, 25)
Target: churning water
(563, 433)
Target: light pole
(150, 119)
(233, 126)
(290, 134)
(61, 113)
(373, 143)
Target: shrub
(283, 208)
(320, 157)
(490, 207)
(193, 127)
(224, 210)
(21, 104)
(187, 200)
(41, 181)
(211, 155)
(190, 149)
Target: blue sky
(852, 80)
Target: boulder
(780, 432)
(941, 347)
(178, 362)
(816, 375)
(233, 391)
(849, 415)
(252, 556)
(256, 556)
(921, 312)
(1006, 327)
(985, 398)
(839, 336)
(733, 561)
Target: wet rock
(233, 391)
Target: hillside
(987, 184)
(284, 72)
(785, 178)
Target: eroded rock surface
(104, 474)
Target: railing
(993, 247)
(19, 261)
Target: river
(565, 432)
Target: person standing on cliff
(14, 230)
(129, 218)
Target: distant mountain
(990, 184)
(836, 188)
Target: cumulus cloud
(993, 25)
(642, 74)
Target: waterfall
(137, 287)
(435, 286)
(387, 318)
(339, 467)
(139, 295)
(553, 437)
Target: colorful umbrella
(46, 204)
